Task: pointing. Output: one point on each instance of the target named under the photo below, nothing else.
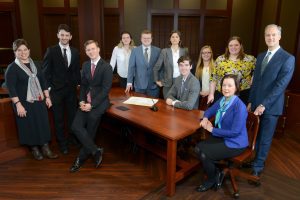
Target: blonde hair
(200, 64)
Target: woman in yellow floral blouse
(234, 61)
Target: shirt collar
(274, 51)
(96, 61)
(64, 46)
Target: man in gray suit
(185, 91)
(273, 72)
(140, 68)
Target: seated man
(96, 80)
(184, 93)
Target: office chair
(234, 163)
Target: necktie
(93, 67)
(265, 62)
(146, 54)
(88, 98)
(65, 57)
(182, 88)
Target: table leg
(171, 167)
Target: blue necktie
(265, 62)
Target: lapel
(271, 62)
(181, 52)
(59, 53)
(170, 56)
(142, 56)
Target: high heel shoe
(219, 180)
(204, 187)
(36, 153)
(48, 153)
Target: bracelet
(17, 102)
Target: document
(141, 101)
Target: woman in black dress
(30, 99)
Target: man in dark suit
(61, 68)
(184, 93)
(96, 81)
(273, 72)
(140, 68)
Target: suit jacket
(140, 70)
(188, 100)
(165, 63)
(56, 73)
(233, 123)
(99, 85)
(268, 89)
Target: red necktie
(93, 67)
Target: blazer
(99, 85)
(165, 63)
(188, 100)
(140, 70)
(268, 88)
(57, 75)
(233, 131)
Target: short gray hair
(276, 26)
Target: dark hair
(64, 27)
(184, 58)
(179, 34)
(236, 82)
(241, 53)
(90, 42)
(18, 42)
(131, 44)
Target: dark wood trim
(93, 29)
(122, 15)
(257, 26)
(278, 11)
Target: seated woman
(229, 136)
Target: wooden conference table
(169, 123)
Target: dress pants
(211, 150)
(85, 127)
(63, 100)
(150, 92)
(264, 140)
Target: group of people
(33, 88)
(235, 83)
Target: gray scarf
(34, 91)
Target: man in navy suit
(273, 72)
(61, 68)
(140, 68)
(96, 80)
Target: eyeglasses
(206, 52)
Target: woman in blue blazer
(229, 135)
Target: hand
(169, 101)
(128, 88)
(259, 110)
(21, 110)
(203, 122)
(204, 94)
(85, 107)
(210, 98)
(159, 83)
(48, 102)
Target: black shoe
(204, 187)
(98, 157)
(76, 165)
(36, 153)
(48, 153)
(257, 175)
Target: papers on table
(141, 101)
